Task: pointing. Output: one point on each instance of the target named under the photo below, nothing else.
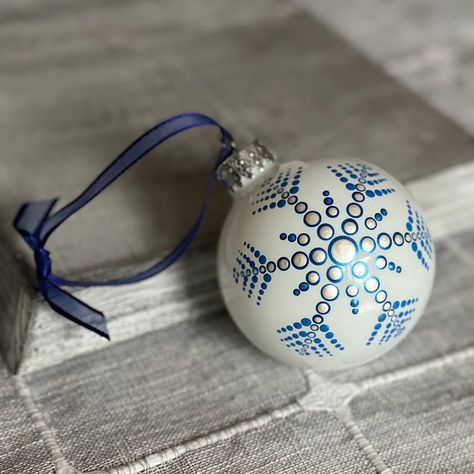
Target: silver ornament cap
(245, 165)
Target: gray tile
(422, 424)
(21, 447)
(303, 443)
(138, 397)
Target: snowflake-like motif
(358, 235)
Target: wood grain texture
(79, 82)
(427, 44)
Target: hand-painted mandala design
(343, 247)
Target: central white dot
(343, 250)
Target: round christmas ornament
(323, 264)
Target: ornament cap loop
(245, 165)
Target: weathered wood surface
(427, 45)
(78, 83)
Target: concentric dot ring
(325, 231)
(301, 207)
(312, 278)
(381, 296)
(312, 218)
(329, 292)
(370, 223)
(283, 263)
(367, 244)
(342, 250)
(323, 307)
(317, 319)
(271, 267)
(384, 240)
(299, 260)
(352, 291)
(372, 284)
(318, 256)
(303, 239)
(335, 274)
(354, 209)
(398, 239)
(349, 226)
(360, 269)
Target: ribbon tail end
(76, 310)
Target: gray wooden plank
(79, 84)
(427, 45)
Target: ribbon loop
(35, 224)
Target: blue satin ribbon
(36, 224)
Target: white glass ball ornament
(324, 264)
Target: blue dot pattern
(416, 229)
(250, 271)
(392, 322)
(359, 231)
(276, 192)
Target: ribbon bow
(36, 224)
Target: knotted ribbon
(35, 222)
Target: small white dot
(352, 290)
(325, 231)
(312, 218)
(335, 273)
(299, 260)
(370, 223)
(367, 244)
(303, 239)
(354, 210)
(322, 308)
(301, 207)
(381, 296)
(359, 269)
(384, 241)
(329, 292)
(398, 238)
(283, 263)
(312, 278)
(371, 284)
(318, 256)
(349, 227)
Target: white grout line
(198, 443)
(57, 456)
(345, 416)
